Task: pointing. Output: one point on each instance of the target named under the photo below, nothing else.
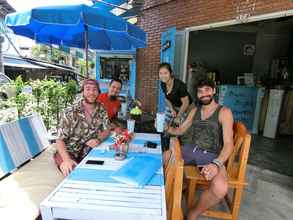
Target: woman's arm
(184, 126)
(184, 106)
(174, 114)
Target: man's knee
(219, 187)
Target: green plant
(8, 111)
(48, 98)
(48, 53)
(71, 89)
(40, 51)
(82, 65)
(18, 84)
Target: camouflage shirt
(206, 134)
(75, 130)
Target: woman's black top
(179, 91)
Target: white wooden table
(89, 193)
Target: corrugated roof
(5, 8)
(20, 63)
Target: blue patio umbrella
(79, 26)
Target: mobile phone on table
(95, 162)
(150, 144)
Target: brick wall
(158, 15)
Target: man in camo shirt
(83, 126)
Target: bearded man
(83, 126)
(110, 99)
(210, 130)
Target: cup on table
(130, 125)
(160, 121)
(123, 110)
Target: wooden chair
(236, 170)
(173, 171)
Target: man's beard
(113, 97)
(206, 102)
(87, 101)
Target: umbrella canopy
(67, 25)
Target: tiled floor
(272, 154)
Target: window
(115, 68)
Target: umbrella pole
(86, 51)
(51, 53)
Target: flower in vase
(121, 141)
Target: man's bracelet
(218, 163)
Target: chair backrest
(237, 162)
(20, 141)
(174, 180)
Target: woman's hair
(167, 66)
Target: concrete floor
(272, 154)
(269, 195)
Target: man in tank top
(210, 129)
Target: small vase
(121, 152)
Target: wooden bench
(236, 170)
(27, 169)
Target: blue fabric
(84, 174)
(110, 140)
(66, 25)
(138, 171)
(110, 154)
(6, 162)
(29, 136)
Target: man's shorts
(194, 155)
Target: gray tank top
(208, 134)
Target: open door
(167, 55)
(173, 51)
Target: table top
(89, 192)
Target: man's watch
(218, 163)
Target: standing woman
(178, 100)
